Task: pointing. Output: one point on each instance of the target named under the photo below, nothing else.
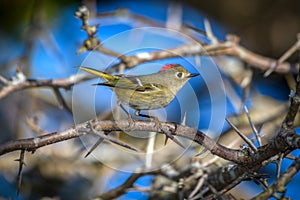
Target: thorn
(184, 119)
(166, 140)
(99, 141)
(195, 29)
(105, 137)
(20, 161)
(168, 135)
(209, 32)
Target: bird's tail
(102, 75)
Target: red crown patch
(167, 66)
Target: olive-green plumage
(146, 92)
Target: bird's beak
(192, 75)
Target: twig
(279, 165)
(123, 188)
(258, 138)
(229, 47)
(99, 141)
(216, 195)
(103, 137)
(294, 106)
(21, 164)
(290, 156)
(284, 142)
(247, 140)
(32, 123)
(92, 42)
(3, 80)
(284, 57)
(198, 186)
(200, 194)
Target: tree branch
(123, 188)
(31, 144)
(65, 83)
(229, 48)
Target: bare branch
(65, 83)
(285, 56)
(279, 185)
(102, 136)
(258, 138)
(32, 123)
(198, 186)
(3, 80)
(229, 47)
(122, 189)
(32, 144)
(294, 106)
(279, 165)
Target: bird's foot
(131, 121)
(159, 126)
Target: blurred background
(43, 38)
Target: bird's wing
(148, 87)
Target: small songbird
(146, 92)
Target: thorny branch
(64, 83)
(32, 144)
(282, 143)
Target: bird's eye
(179, 74)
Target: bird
(145, 92)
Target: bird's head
(178, 71)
